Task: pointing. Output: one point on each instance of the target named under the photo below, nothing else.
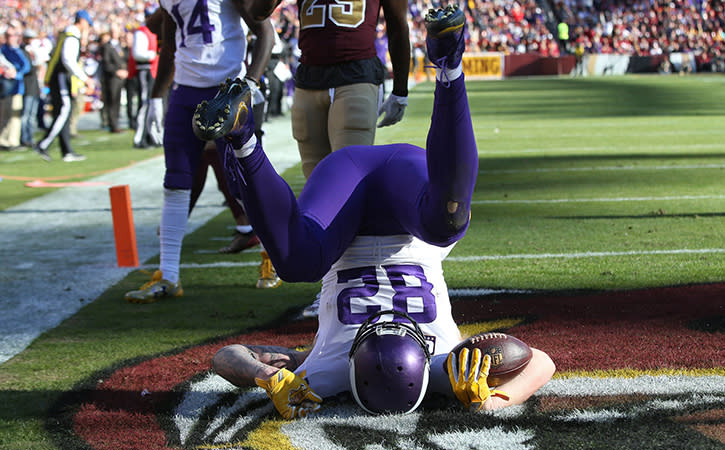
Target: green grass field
(585, 184)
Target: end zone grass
(585, 184)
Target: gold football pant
(327, 120)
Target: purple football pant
(367, 190)
(182, 149)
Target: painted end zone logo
(633, 367)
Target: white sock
(174, 216)
(247, 147)
(449, 75)
(244, 229)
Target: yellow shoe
(267, 274)
(154, 289)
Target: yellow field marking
(268, 436)
(471, 329)
(632, 373)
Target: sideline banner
(604, 64)
(684, 61)
(477, 66)
(489, 65)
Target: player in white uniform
(203, 45)
(374, 223)
(399, 264)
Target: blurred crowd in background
(648, 27)
(546, 27)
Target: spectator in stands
(31, 98)
(131, 84)
(113, 73)
(143, 66)
(12, 103)
(645, 28)
(563, 34)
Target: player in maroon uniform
(338, 83)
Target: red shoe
(241, 242)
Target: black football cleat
(445, 36)
(43, 153)
(224, 114)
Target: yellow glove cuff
(468, 378)
(290, 394)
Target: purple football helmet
(389, 365)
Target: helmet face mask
(389, 365)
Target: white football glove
(155, 121)
(394, 108)
(257, 94)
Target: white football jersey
(211, 42)
(378, 273)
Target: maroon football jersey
(337, 31)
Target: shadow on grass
(601, 174)
(652, 215)
(597, 97)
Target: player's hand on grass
(468, 378)
(290, 394)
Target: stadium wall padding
(496, 65)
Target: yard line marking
(609, 149)
(484, 291)
(684, 251)
(644, 384)
(600, 168)
(601, 200)
(24, 317)
(220, 264)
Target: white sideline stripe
(214, 265)
(601, 168)
(602, 199)
(644, 384)
(483, 291)
(683, 251)
(58, 251)
(463, 292)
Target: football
(509, 355)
